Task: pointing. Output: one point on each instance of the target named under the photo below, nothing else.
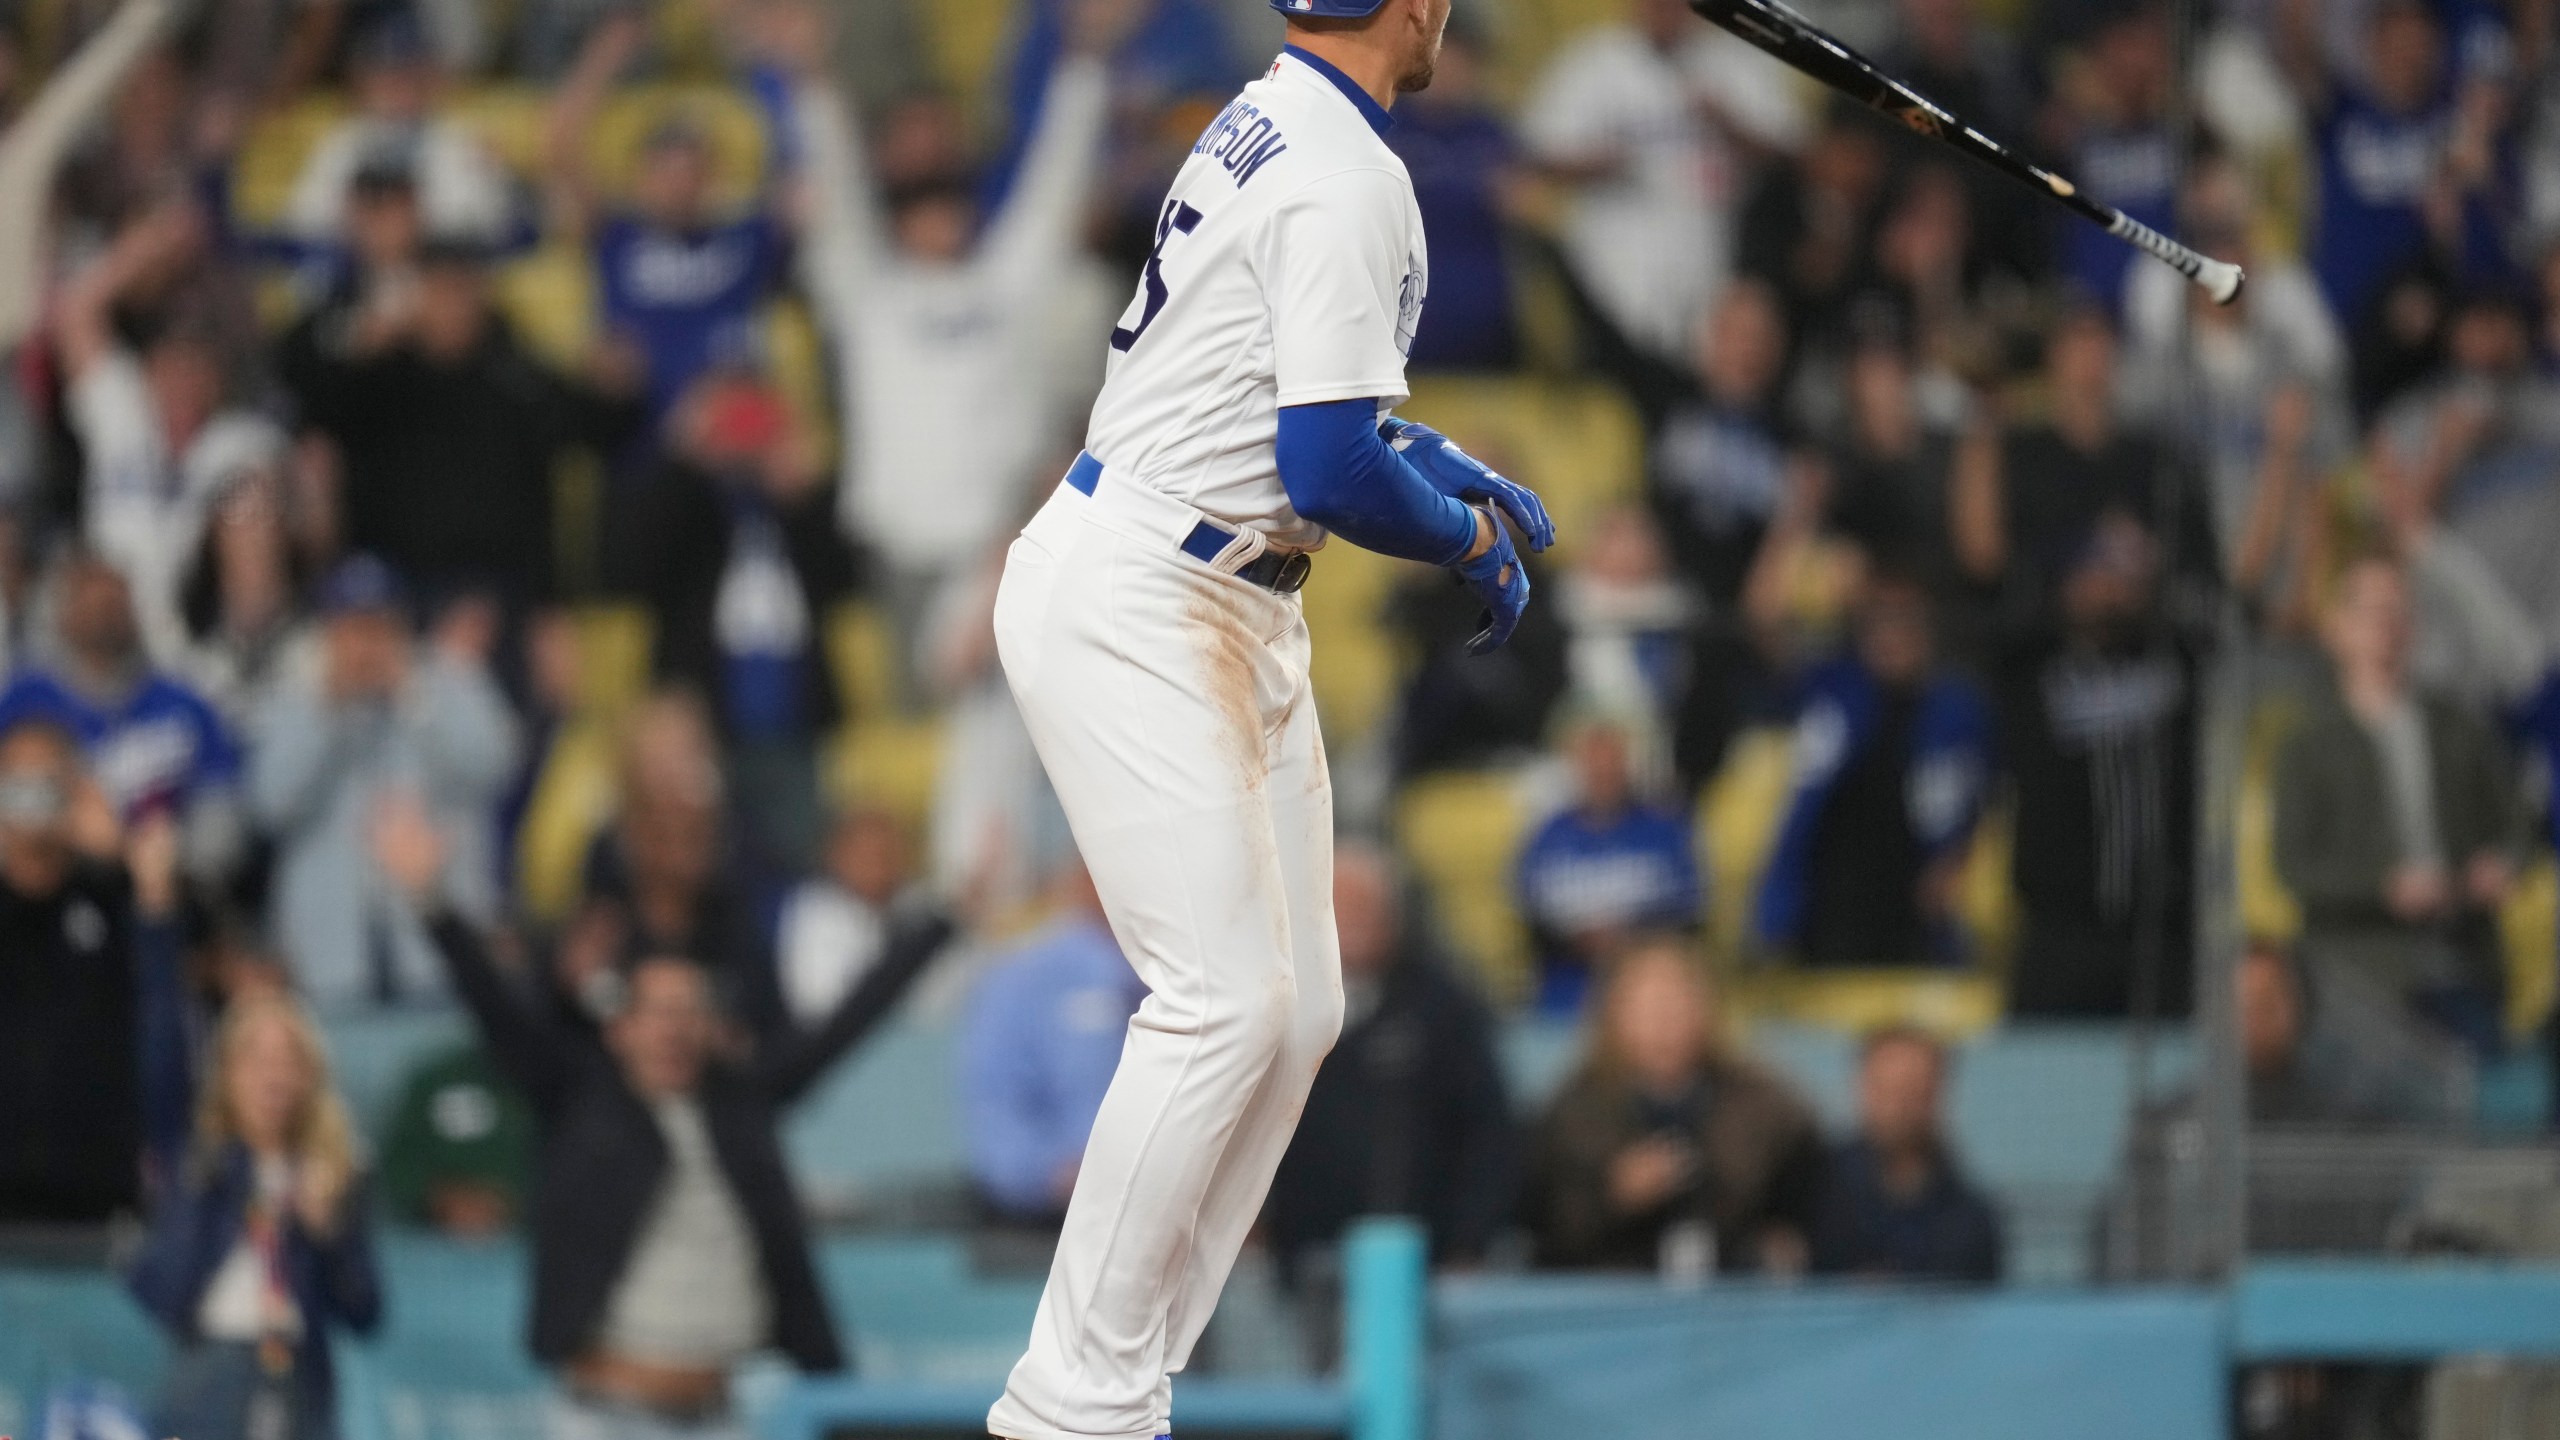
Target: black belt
(1282, 572)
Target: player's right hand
(1498, 579)
(1461, 476)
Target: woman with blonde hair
(1667, 1150)
(265, 1243)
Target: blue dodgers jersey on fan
(686, 299)
(2136, 171)
(2375, 171)
(1457, 159)
(1634, 871)
(162, 746)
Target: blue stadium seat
(886, 1118)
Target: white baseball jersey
(1170, 704)
(1289, 269)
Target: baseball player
(1149, 625)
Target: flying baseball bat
(1773, 27)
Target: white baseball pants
(1169, 703)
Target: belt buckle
(1292, 574)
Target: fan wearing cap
(378, 717)
(397, 82)
(447, 429)
(679, 275)
(367, 278)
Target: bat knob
(2221, 280)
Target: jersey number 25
(1177, 219)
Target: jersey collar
(1370, 110)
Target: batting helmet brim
(1328, 9)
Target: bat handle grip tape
(2221, 279)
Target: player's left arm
(1454, 472)
(1340, 473)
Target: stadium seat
(1357, 668)
(795, 356)
(967, 40)
(1529, 33)
(1951, 1003)
(2267, 909)
(272, 153)
(574, 795)
(2039, 1113)
(890, 763)
(879, 756)
(613, 657)
(1738, 818)
(1577, 443)
(548, 295)
(888, 1116)
(512, 120)
(1462, 833)
(572, 799)
(2528, 925)
(373, 1052)
(1988, 903)
(862, 646)
(686, 36)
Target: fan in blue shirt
(2390, 151)
(1459, 153)
(682, 282)
(1038, 1048)
(2124, 153)
(153, 743)
(1604, 869)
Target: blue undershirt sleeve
(1342, 476)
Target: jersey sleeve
(1337, 268)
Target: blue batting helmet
(1328, 9)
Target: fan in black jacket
(1409, 1115)
(606, 1154)
(734, 548)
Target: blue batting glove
(1459, 475)
(1499, 580)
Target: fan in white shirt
(158, 441)
(463, 191)
(941, 332)
(1655, 122)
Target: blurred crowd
(372, 362)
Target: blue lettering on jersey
(1242, 139)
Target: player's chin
(1417, 80)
